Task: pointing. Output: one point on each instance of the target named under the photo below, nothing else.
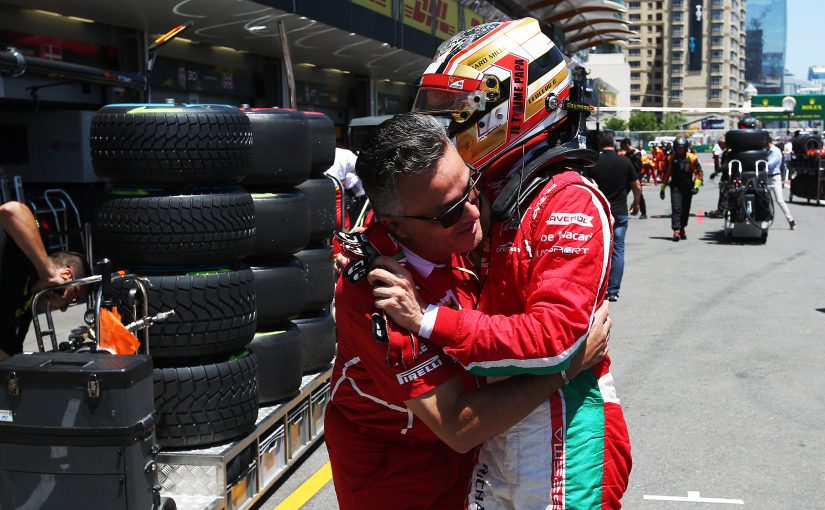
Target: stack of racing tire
(292, 258)
(175, 214)
(749, 204)
(808, 179)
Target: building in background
(816, 74)
(609, 75)
(765, 44)
(689, 53)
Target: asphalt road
(717, 353)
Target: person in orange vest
(684, 174)
(648, 170)
(659, 159)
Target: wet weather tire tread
(214, 313)
(198, 144)
(205, 404)
(166, 230)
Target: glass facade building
(766, 26)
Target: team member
(636, 157)
(615, 175)
(684, 174)
(775, 180)
(403, 418)
(544, 267)
(343, 169)
(24, 269)
(718, 152)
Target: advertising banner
(472, 18)
(808, 107)
(437, 17)
(380, 6)
(696, 16)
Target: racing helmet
(750, 123)
(499, 84)
(680, 142)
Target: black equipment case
(77, 432)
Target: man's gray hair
(407, 144)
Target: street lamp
(789, 105)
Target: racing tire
(804, 142)
(202, 226)
(748, 158)
(320, 192)
(170, 144)
(319, 272)
(739, 140)
(281, 149)
(317, 341)
(215, 312)
(322, 142)
(206, 404)
(282, 223)
(280, 290)
(279, 363)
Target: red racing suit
(382, 456)
(546, 275)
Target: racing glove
(662, 191)
(696, 184)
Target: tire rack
(282, 434)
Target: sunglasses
(451, 216)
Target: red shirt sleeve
(354, 311)
(563, 283)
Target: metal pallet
(197, 479)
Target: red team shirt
(378, 448)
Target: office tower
(689, 53)
(765, 44)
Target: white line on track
(693, 497)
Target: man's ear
(395, 226)
(67, 274)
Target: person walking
(684, 174)
(616, 175)
(718, 151)
(635, 157)
(775, 180)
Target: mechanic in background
(684, 174)
(25, 269)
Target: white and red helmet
(501, 84)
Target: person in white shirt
(344, 170)
(718, 150)
(775, 180)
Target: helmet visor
(458, 103)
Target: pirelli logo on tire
(419, 370)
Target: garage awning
(585, 23)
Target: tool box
(77, 431)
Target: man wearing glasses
(403, 418)
(25, 269)
(513, 113)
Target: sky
(806, 36)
